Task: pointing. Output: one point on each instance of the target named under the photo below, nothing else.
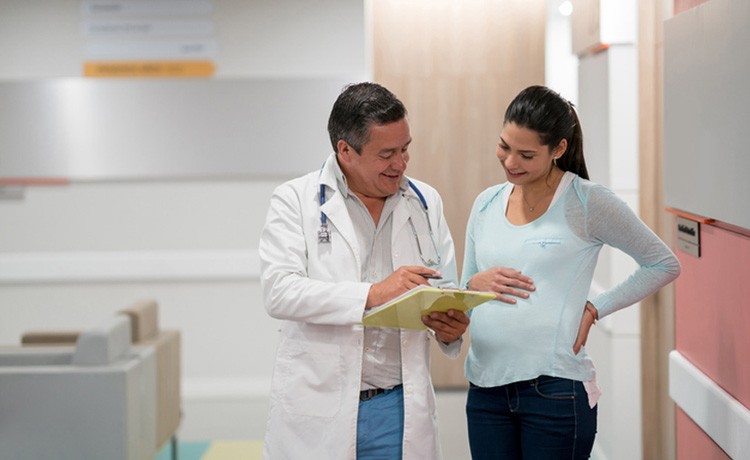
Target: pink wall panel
(694, 443)
(682, 5)
(712, 323)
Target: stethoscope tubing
(324, 236)
(324, 218)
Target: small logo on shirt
(544, 242)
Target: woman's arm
(610, 220)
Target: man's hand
(503, 282)
(397, 283)
(448, 326)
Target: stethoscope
(324, 236)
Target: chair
(145, 332)
(92, 400)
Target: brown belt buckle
(369, 394)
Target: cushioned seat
(145, 332)
(92, 401)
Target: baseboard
(723, 418)
(218, 389)
(226, 409)
(597, 453)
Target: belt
(371, 393)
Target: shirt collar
(340, 178)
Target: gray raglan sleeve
(611, 221)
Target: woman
(532, 391)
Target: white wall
(71, 255)
(607, 107)
(560, 63)
(608, 112)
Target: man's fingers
(447, 326)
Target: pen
(431, 277)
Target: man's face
(377, 171)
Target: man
(336, 243)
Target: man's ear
(344, 150)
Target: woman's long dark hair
(541, 109)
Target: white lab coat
(316, 290)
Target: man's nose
(400, 160)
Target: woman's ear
(560, 150)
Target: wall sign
(689, 236)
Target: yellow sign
(148, 69)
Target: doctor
(336, 243)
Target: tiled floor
(215, 450)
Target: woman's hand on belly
(505, 282)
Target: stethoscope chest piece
(324, 236)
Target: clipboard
(406, 310)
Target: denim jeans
(545, 418)
(380, 426)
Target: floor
(452, 426)
(215, 450)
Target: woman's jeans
(546, 418)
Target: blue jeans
(380, 426)
(545, 418)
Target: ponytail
(573, 160)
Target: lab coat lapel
(335, 210)
(338, 216)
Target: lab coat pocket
(309, 378)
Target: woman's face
(522, 155)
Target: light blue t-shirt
(558, 250)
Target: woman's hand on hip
(590, 315)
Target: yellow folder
(406, 310)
